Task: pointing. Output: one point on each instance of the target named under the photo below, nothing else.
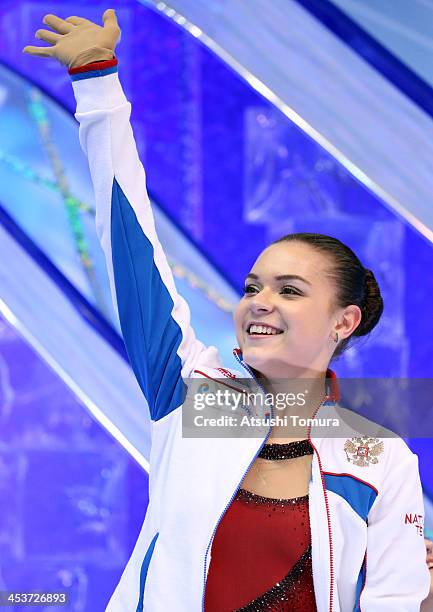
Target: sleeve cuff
(95, 69)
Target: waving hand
(76, 41)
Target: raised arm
(155, 320)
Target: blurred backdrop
(268, 117)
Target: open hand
(77, 41)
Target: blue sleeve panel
(360, 585)
(143, 571)
(360, 495)
(152, 337)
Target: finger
(47, 36)
(59, 25)
(38, 51)
(109, 18)
(76, 20)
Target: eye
(250, 289)
(290, 290)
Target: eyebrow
(281, 277)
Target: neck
(295, 400)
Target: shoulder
(364, 450)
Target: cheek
(309, 320)
(318, 327)
(239, 316)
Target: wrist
(91, 56)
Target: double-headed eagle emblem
(363, 451)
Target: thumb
(109, 18)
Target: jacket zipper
(328, 517)
(244, 365)
(325, 494)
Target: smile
(262, 331)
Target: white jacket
(367, 545)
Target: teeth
(262, 329)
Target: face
(288, 289)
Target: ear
(348, 321)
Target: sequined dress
(261, 552)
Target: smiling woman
(235, 523)
(315, 294)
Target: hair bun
(372, 305)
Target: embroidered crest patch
(363, 451)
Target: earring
(336, 337)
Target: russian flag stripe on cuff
(95, 69)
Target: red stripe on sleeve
(94, 66)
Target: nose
(261, 302)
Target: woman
(237, 524)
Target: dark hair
(354, 284)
